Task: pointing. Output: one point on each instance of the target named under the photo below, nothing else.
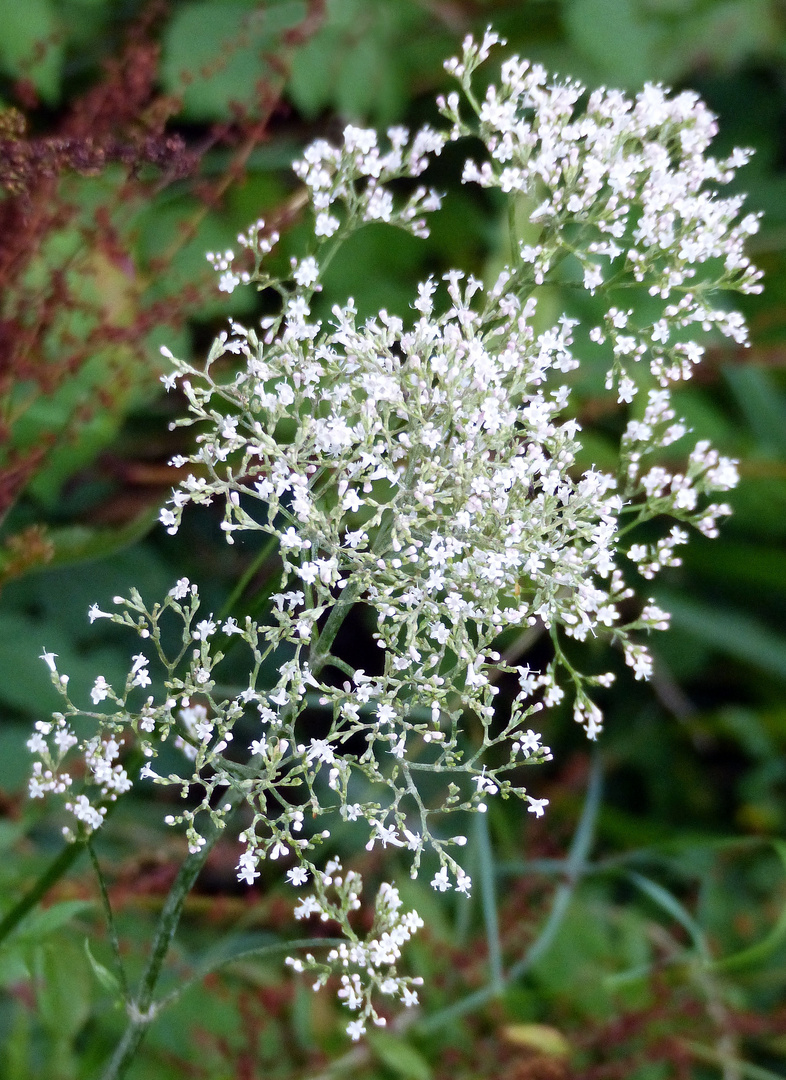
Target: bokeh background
(645, 921)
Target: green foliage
(362, 62)
(669, 925)
(214, 53)
(31, 45)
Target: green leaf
(724, 34)
(23, 682)
(625, 54)
(750, 564)
(77, 543)
(64, 987)
(13, 966)
(16, 1051)
(30, 44)
(762, 404)
(731, 632)
(398, 1056)
(10, 832)
(214, 54)
(762, 950)
(360, 62)
(106, 978)
(42, 922)
(671, 905)
(743, 1068)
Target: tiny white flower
(298, 875)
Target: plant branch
(141, 1011)
(57, 869)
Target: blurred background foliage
(638, 934)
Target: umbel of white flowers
(427, 469)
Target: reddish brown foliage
(60, 312)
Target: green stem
(262, 556)
(142, 1011)
(110, 920)
(576, 864)
(57, 869)
(712, 1057)
(489, 901)
(247, 954)
(320, 651)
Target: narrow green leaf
(762, 950)
(731, 632)
(489, 899)
(399, 1056)
(671, 905)
(762, 404)
(42, 923)
(106, 978)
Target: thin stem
(142, 1011)
(57, 869)
(575, 870)
(262, 556)
(745, 1069)
(489, 900)
(246, 954)
(110, 920)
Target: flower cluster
(366, 967)
(429, 469)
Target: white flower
(181, 589)
(326, 224)
(100, 690)
(356, 1029)
(425, 471)
(298, 875)
(593, 277)
(441, 881)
